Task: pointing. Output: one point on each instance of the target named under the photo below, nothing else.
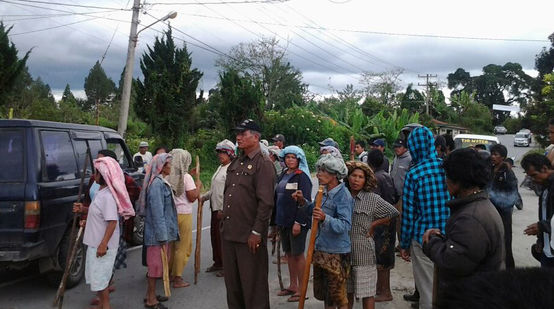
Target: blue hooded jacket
(425, 193)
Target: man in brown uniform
(247, 205)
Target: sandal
(286, 292)
(159, 298)
(179, 283)
(294, 298)
(156, 306)
(213, 268)
(220, 274)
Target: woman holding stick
(102, 231)
(186, 192)
(160, 223)
(370, 211)
(332, 245)
(293, 223)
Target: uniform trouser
(245, 276)
(423, 275)
(183, 247)
(506, 216)
(216, 239)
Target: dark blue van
(41, 163)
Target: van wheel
(138, 230)
(77, 271)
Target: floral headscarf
(227, 146)
(332, 164)
(331, 150)
(370, 180)
(153, 170)
(180, 163)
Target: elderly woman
(292, 222)
(225, 154)
(160, 223)
(102, 231)
(504, 195)
(332, 245)
(370, 211)
(186, 192)
(473, 241)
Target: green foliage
(390, 126)
(538, 113)
(382, 86)
(265, 61)
(475, 116)
(10, 65)
(241, 98)
(513, 125)
(99, 88)
(412, 100)
(167, 96)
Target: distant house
(442, 127)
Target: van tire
(138, 230)
(77, 272)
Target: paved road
(33, 292)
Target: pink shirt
(182, 204)
(102, 210)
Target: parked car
(522, 139)
(500, 130)
(528, 133)
(470, 140)
(42, 163)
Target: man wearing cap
(328, 142)
(279, 141)
(247, 205)
(380, 144)
(143, 153)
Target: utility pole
(427, 89)
(128, 77)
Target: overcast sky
(351, 37)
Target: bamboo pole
(352, 147)
(279, 276)
(72, 243)
(198, 228)
(313, 234)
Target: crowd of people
(451, 210)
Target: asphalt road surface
(25, 289)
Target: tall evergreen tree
(11, 66)
(167, 96)
(99, 88)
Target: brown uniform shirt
(249, 197)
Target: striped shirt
(368, 207)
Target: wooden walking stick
(198, 228)
(352, 147)
(165, 271)
(279, 261)
(313, 234)
(72, 243)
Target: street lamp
(128, 76)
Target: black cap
(399, 143)
(279, 137)
(248, 124)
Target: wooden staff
(72, 244)
(279, 261)
(165, 271)
(313, 234)
(198, 227)
(352, 147)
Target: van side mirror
(137, 160)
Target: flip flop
(220, 274)
(159, 298)
(286, 292)
(156, 306)
(294, 298)
(213, 268)
(180, 284)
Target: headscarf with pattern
(180, 164)
(153, 170)
(333, 165)
(115, 180)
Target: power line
(72, 5)
(46, 16)
(55, 27)
(113, 36)
(217, 2)
(377, 32)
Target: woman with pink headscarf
(101, 230)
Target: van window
(12, 168)
(58, 156)
(81, 152)
(115, 146)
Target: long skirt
(330, 275)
